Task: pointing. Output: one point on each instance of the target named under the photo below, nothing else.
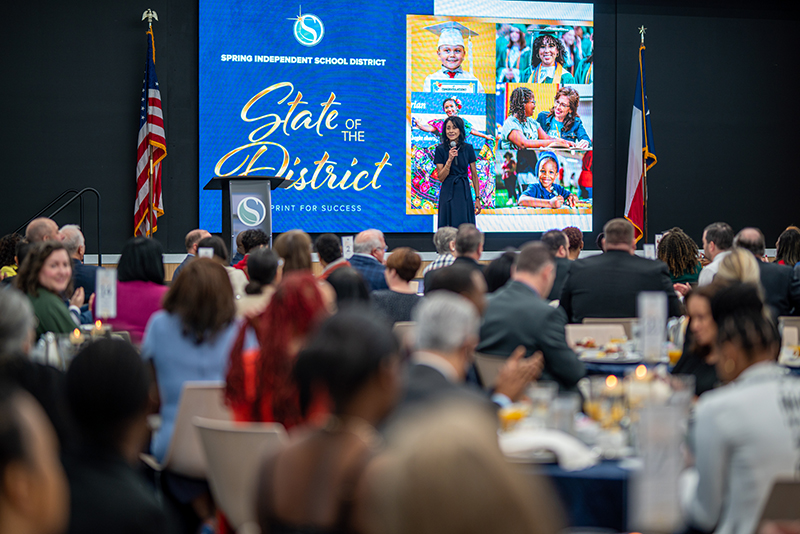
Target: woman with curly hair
(550, 52)
(8, 253)
(259, 384)
(562, 120)
(680, 253)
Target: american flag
(152, 146)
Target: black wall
(719, 88)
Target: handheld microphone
(453, 144)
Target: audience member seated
(781, 286)
(140, 286)
(45, 276)
(294, 248)
(220, 255)
(745, 435)
(461, 280)
(608, 285)
(239, 255)
(265, 275)
(8, 255)
(700, 356)
(575, 237)
(329, 252)
(108, 392)
(558, 244)
(189, 340)
(738, 265)
(82, 275)
(349, 286)
(191, 241)
(518, 315)
(788, 248)
(251, 240)
(259, 385)
(498, 272)
(469, 248)
(34, 498)
(680, 253)
(445, 242)
(446, 336)
(42, 229)
(443, 473)
(368, 259)
(312, 484)
(717, 243)
(600, 242)
(397, 302)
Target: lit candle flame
(641, 371)
(611, 381)
(98, 324)
(76, 333)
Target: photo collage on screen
(524, 88)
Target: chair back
(488, 366)
(789, 337)
(785, 321)
(185, 454)
(626, 322)
(602, 333)
(234, 452)
(405, 332)
(781, 505)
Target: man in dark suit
(191, 241)
(446, 335)
(780, 283)
(369, 249)
(82, 275)
(607, 285)
(518, 315)
(558, 243)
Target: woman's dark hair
(27, 278)
(253, 238)
(13, 446)
(458, 122)
(574, 100)
(107, 388)
(8, 249)
(705, 292)
(789, 247)
(142, 260)
(328, 247)
(262, 267)
(294, 247)
(216, 244)
(542, 40)
(454, 101)
(679, 252)
(522, 43)
(349, 286)
(498, 273)
(600, 241)
(742, 319)
(346, 351)
(516, 104)
(22, 249)
(405, 261)
(203, 299)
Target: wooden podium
(246, 203)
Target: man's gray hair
(16, 321)
(367, 241)
(73, 238)
(442, 239)
(445, 321)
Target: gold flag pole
(642, 31)
(149, 14)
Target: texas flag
(641, 154)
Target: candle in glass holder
(76, 337)
(98, 328)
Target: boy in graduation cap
(550, 53)
(451, 53)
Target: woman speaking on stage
(454, 159)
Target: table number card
(347, 246)
(105, 300)
(659, 237)
(205, 252)
(650, 251)
(652, 310)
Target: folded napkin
(572, 454)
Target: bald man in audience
(42, 229)
(369, 249)
(781, 284)
(608, 285)
(192, 239)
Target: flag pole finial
(642, 31)
(150, 15)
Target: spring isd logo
(308, 29)
(251, 211)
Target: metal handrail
(77, 196)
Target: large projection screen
(348, 100)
